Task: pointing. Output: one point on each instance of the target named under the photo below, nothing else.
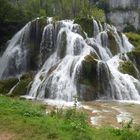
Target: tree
(98, 14)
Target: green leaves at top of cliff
(14, 14)
(25, 10)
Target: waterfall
(59, 70)
(127, 87)
(13, 61)
(68, 64)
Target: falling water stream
(63, 50)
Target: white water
(60, 83)
(57, 78)
(13, 61)
(12, 89)
(127, 87)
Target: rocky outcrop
(66, 63)
(126, 4)
(124, 13)
(87, 78)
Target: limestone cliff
(124, 13)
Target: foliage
(26, 10)
(14, 14)
(6, 85)
(129, 28)
(21, 85)
(127, 67)
(98, 14)
(134, 38)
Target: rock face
(129, 4)
(124, 13)
(69, 59)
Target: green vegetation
(87, 78)
(25, 10)
(129, 28)
(86, 24)
(98, 14)
(134, 55)
(127, 67)
(28, 120)
(14, 14)
(6, 85)
(89, 70)
(134, 38)
(21, 85)
(113, 46)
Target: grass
(28, 121)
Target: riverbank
(24, 120)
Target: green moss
(86, 24)
(113, 46)
(129, 28)
(89, 58)
(42, 23)
(134, 39)
(134, 56)
(22, 86)
(6, 85)
(88, 70)
(127, 67)
(87, 79)
(27, 76)
(88, 63)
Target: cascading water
(72, 64)
(59, 71)
(13, 61)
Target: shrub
(127, 67)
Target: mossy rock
(89, 70)
(127, 67)
(21, 88)
(87, 78)
(23, 85)
(37, 27)
(134, 56)
(113, 45)
(42, 23)
(29, 76)
(6, 85)
(86, 24)
(134, 39)
(78, 29)
(62, 45)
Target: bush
(129, 28)
(6, 85)
(127, 67)
(134, 38)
